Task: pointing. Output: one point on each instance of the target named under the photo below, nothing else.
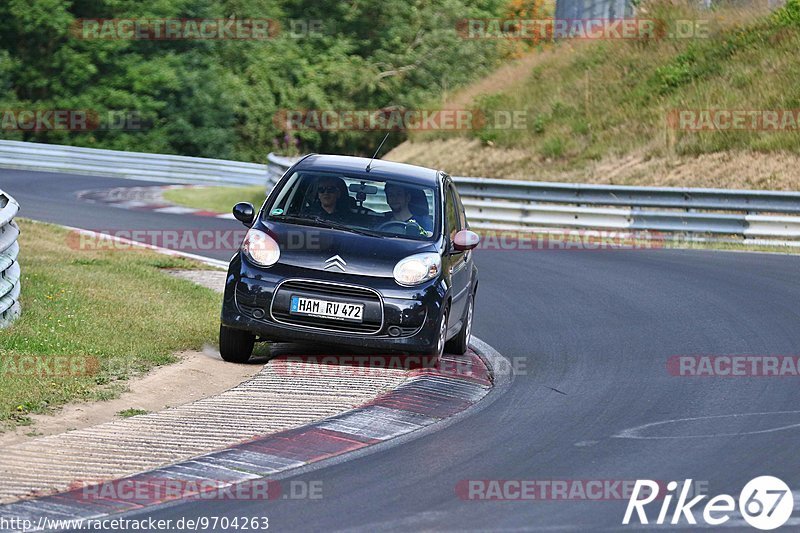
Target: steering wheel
(388, 226)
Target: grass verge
(217, 199)
(91, 319)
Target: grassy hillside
(597, 110)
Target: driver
(398, 198)
(333, 203)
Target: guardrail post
(9, 266)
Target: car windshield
(375, 207)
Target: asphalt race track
(51, 197)
(591, 332)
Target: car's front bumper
(411, 314)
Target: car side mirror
(244, 213)
(465, 240)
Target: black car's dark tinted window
(453, 221)
(462, 214)
(388, 207)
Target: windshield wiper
(317, 220)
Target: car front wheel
(441, 337)
(235, 345)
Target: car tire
(235, 345)
(440, 346)
(459, 344)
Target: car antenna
(369, 165)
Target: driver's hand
(413, 229)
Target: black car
(355, 253)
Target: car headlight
(417, 268)
(260, 248)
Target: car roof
(379, 169)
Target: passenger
(399, 197)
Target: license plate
(326, 309)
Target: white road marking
(176, 209)
(636, 432)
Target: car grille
(373, 306)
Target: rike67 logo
(765, 503)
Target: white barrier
(9, 266)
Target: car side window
(453, 222)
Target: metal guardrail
(276, 166)
(490, 203)
(529, 205)
(666, 209)
(615, 195)
(132, 165)
(9, 266)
